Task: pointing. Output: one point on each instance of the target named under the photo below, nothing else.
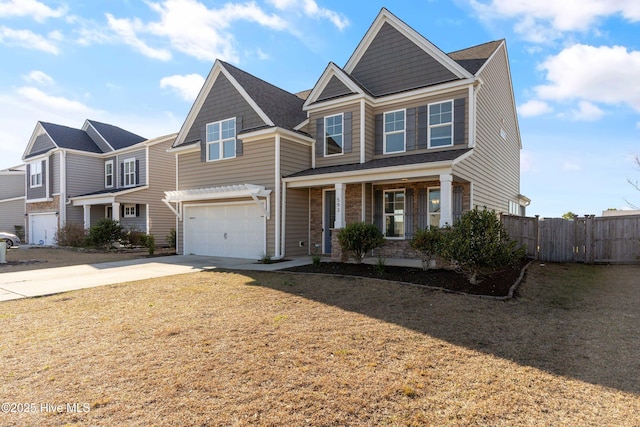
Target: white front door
(228, 230)
(42, 229)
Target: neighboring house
(403, 136)
(12, 197)
(100, 171)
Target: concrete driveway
(48, 281)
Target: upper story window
(221, 140)
(108, 173)
(394, 214)
(441, 124)
(394, 135)
(35, 174)
(129, 172)
(333, 135)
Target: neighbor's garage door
(232, 230)
(42, 229)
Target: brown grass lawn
(274, 349)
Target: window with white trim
(394, 132)
(108, 174)
(394, 214)
(433, 207)
(221, 140)
(441, 124)
(514, 208)
(129, 211)
(35, 174)
(129, 173)
(333, 136)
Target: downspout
(277, 254)
(63, 188)
(284, 217)
(363, 153)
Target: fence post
(588, 237)
(536, 233)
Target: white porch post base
(446, 200)
(87, 216)
(115, 207)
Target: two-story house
(99, 171)
(403, 136)
(12, 206)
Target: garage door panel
(42, 229)
(235, 230)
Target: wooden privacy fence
(590, 240)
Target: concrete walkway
(49, 281)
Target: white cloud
(533, 108)
(39, 77)
(587, 112)
(544, 20)
(187, 86)
(595, 74)
(58, 104)
(30, 40)
(311, 9)
(30, 8)
(126, 29)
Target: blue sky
(139, 65)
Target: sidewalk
(49, 281)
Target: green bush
(171, 238)
(105, 232)
(72, 234)
(149, 242)
(358, 238)
(479, 244)
(427, 241)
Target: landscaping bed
(497, 284)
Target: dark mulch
(495, 285)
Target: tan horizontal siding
(297, 222)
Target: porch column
(340, 206)
(446, 200)
(87, 216)
(115, 207)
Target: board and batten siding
(494, 166)
(255, 166)
(345, 158)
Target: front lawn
(221, 348)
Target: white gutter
(278, 180)
(362, 132)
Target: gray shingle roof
(387, 162)
(115, 136)
(73, 139)
(473, 58)
(283, 108)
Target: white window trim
(430, 126)
(404, 213)
(384, 132)
(132, 172)
(38, 166)
(325, 135)
(106, 212)
(221, 141)
(129, 211)
(108, 162)
(428, 204)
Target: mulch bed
(497, 284)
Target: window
(333, 142)
(441, 124)
(108, 173)
(394, 132)
(108, 212)
(394, 214)
(129, 173)
(514, 208)
(433, 208)
(129, 211)
(221, 140)
(35, 172)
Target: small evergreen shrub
(72, 234)
(149, 242)
(105, 233)
(427, 241)
(171, 238)
(479, 244)
(358, 238)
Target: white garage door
(42, 229)
(231, 230)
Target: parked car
(10, 238)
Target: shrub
(72, 234)
(358, 238)
(171, 238)
(133, 237)
(427, 241)
(149, 242)
(105, 232)
(479, 244)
